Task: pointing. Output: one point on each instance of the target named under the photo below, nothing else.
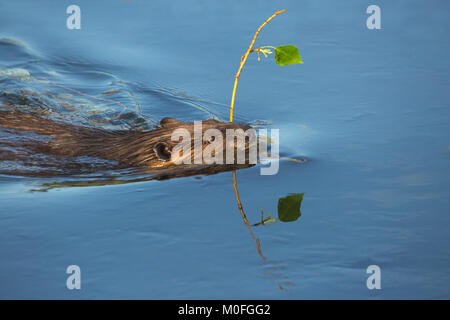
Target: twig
(244, 58)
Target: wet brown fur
(132, 148)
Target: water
(368, 110)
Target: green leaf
(286, 55)
(289, 207)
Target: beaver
(150, 149)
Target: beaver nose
(162, 151)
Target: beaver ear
(165, 122)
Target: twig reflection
(244, 217)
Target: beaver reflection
(123, 148)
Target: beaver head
(192, 144)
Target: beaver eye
(162, 151)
